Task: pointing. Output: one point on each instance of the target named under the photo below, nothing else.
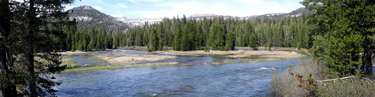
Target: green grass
(222, 62)
(69, 61)
(114, 67)
(187, 64)
(259, 60)
(253, 59)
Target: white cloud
(101, 2)
(138, 1)
(122, 5)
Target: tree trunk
(8, 89)
(30, 49)
(366, 57)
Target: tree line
(220, 33)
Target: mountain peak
(85, 7)
(88, 17)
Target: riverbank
(245, 56)
(88, 61)
(286, 83)
(116, 59)
(114, 67)
(83, 61)
(68, 53)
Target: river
(238, 80)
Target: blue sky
(172, 8)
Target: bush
(304, 52)
(348, 88)
(299, 45)
(283, 84)
(150, 49)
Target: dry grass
(114, 67)
(72, 53)
(237, 53)
(132, 59)
(69, 61)
(284, 84)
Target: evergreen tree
(254, 41)
(230, 42)
(340, 36)
(7, 86)
(37, 27)
(269, 45)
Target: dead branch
(329, 80)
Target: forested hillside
(89, 18)
(216, 33)
(220, 34)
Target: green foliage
(299, 45)
(340, 36)
(229, 45)
(221, 34)
(269, 45)
(206, 49)
(94, 39)
(29, 47)
(254, 41)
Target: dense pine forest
(184, 34)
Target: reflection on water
(240, 79)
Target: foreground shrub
(283, 84)
(348, 88)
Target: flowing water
(239, 79)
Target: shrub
(299, 45)
(206, 49)
(283, 84)
(348, 88)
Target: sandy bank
(238, 53)
(72, 53)
(132, 59)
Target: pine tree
(269, 45)
(340, 36)
(254, 41)
(42, 30)
(230, 41)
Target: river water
(236, 80)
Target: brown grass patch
(132, 59)
(238, 53)
(72, 53)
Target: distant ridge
(89, 17)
